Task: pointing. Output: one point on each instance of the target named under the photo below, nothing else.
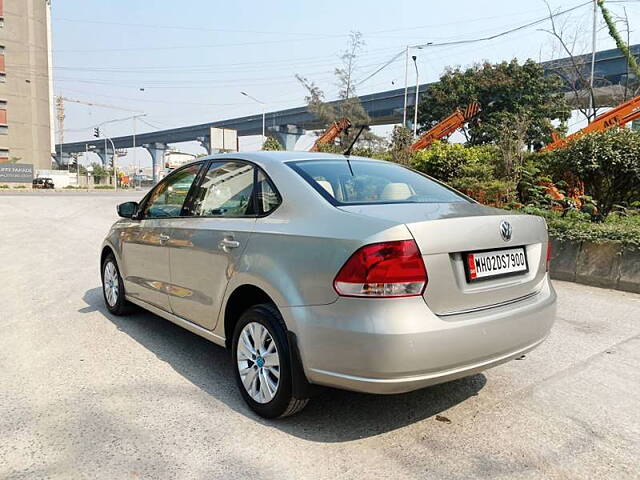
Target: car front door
(207, 246)
(145, 253)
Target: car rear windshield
(372, 182)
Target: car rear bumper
(399, 345)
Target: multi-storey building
(26, 109)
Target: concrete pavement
(84, 394)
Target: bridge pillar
(287, 135)
(104, 158)
(156, 150)
(205, 142)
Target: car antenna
(347, 152)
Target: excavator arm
(619, 116)
(447, 126)
(331, 133)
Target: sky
(186, 62)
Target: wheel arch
(106, 250)
(241, 299)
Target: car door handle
(228, 243)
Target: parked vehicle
(318, 269)
(43, 182)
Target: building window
(1, 13)
(4, 155)
(3, 117)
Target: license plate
(495, 263)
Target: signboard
(223, 139)
(16, 173)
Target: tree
(400, 145)
(271, 144)
(348, 104)
(99, 172)
(608, 163)
(573, 74)
(507, 87)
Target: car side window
(169, 197)
(268, 197)
(226, 190)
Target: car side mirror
(128, 209)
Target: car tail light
(388, 269)
(548, 254)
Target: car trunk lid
(445, 233)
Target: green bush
(472, 170)
(607, 162)
(443, 161)
(578, 227)
(104, 187)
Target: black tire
(283, 404)
(121, 306)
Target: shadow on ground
(331, 416)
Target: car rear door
(144, 247)
(206, 247)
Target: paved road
(87, 395)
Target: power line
(475, 40)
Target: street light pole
(415, 107)
(263, 113)
(406, 78)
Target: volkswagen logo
(505, 230)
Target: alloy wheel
(111, 284)
(258, 362)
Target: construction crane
(331, 133)
(447, 126)
(60, 115)
(616, 117)
(60, 100)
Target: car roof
(267, 158)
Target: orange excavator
(331, 133)
(616, 117)
(447, 126)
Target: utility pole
(134, 152)
(592, 106)
(406, 87)
(415, 107)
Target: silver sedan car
(317, 269)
